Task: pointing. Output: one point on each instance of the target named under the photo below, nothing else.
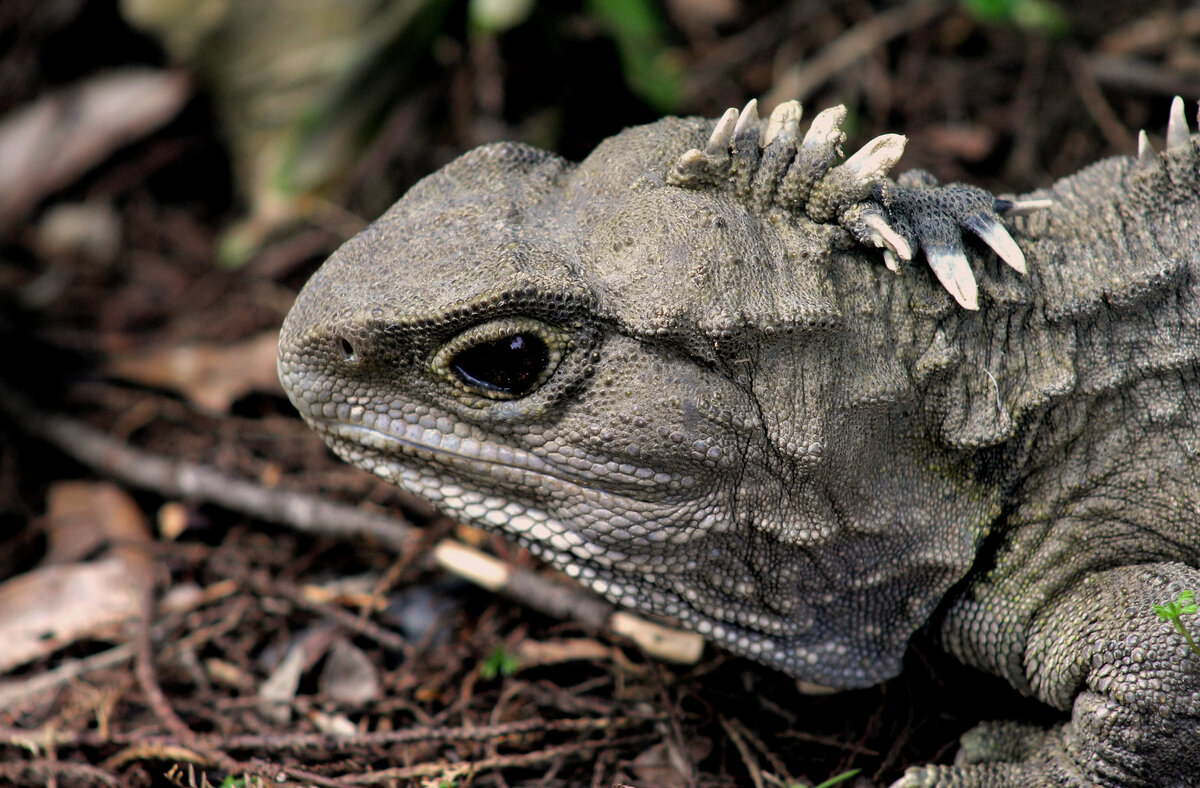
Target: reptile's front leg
(1132, 683)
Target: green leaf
(497, 16)
(1041, 16)
(653, 69)
(499, 663)
(837, 778)
(1167, 612)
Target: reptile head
(654, 387)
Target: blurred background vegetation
(347, 102)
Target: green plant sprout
(834, 780)
(1040, 16)
(1172, 612)
(500, 662)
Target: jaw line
(391, 448)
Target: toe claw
(995, 236)
(892, 242)
(953, 270)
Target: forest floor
(169, 615)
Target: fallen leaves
(210, 376)
(68, 598)
(46, 145)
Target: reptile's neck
(1112, 296)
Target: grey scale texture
(681, 372)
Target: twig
(147, 678)
(157, 750)
(480, 733)
(360, 626)
(15, 691)
(1129, 73)
(1097, 106)
(323, 741)
(830, 741)
(44, 771)
(799, 81)
(567, 602)
(177, 478)
(743, 749)
(510, 761)
(750, 737)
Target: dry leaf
(211, 376)
(81, 517)
(349, 676)
(664, 766)
(43, 610)
(48, 144)
(277, 691)
(90, 230)
(60, 603)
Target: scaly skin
(678, 371)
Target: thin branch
(44, 771)
(446, 770)
(13, 692)
(323, 741)
(173, 478)
(801, 80)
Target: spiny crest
(1110, 309)
(776, 165)
(803, 175)
(1177, 133)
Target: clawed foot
(999, 755)
(902, 219)
(1130, 680)
(775, 165)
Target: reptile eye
(507, 358)
(511, 365)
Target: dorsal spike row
(1146, 152)
(747, 122)
(1177, 132)
(718, 143)
(784, 119)
(1177, 125)
(768, 162)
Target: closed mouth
(455, 452)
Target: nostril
(348, 351)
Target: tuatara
(704, 372)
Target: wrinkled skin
(693, 385)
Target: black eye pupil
(510, 365)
